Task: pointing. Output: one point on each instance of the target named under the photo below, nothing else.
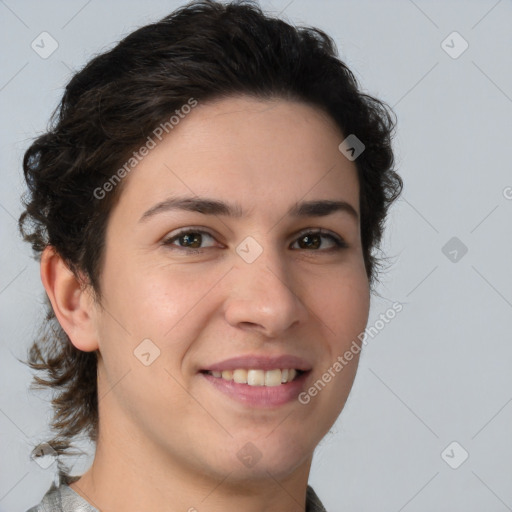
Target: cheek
(153, 301)
(342, 304)
(342, 310)
(150, 316)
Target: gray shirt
(65, 499)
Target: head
(223, 103)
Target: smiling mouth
(257, 377)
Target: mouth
(259, 381)
(257, 377)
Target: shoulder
(51, 501)
(62, 499)
(313, 503)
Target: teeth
(254, 377)
(240, 376)
(272, 378)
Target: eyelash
(339, 242)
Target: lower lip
(259, 396)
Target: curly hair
(204, 50)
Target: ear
(71, 300)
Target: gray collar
(63, 499)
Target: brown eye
(315, 240)
(190, 239)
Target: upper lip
(259, 362)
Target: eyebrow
(207, 206)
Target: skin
(168, 440)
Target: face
(234, 252)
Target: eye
(191, 240)
(314, 240)
(188, 239)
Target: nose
(263, 297)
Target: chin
(264, 456)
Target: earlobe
(71, 300)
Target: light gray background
(441, 370)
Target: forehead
(257, 151)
